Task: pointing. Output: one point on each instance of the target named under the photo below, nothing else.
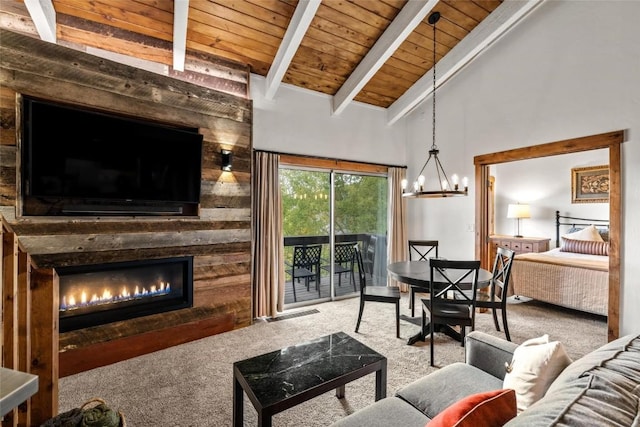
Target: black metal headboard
(577, 222)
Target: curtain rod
(306, 156)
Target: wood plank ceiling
(370, 51)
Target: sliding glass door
(305, 223)
(360, 215)
(329, 211)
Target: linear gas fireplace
(92, 295)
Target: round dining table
(418, 273)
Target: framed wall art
(590, 184)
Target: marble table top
(281, 374)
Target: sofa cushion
(536, 364)
(435, 392)
(586, 401)
(488, 409)
(619, 355)
(386, 412)
(488, 353)
(601, 388)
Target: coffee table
(284, 378)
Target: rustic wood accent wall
(219, 238)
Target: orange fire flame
(73, 301)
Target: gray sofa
(600, 389)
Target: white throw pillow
(587, 233)
(535, 365)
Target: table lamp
(518, 212)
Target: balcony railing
(374, 254)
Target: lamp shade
(518, 211)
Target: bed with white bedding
(577, 280)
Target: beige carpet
(191, 384)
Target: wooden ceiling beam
(503, 18)
(400, 28)
(180, 20)
(44, 18)
(300, 21)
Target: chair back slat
(421, 250)
(501, 273)
(344, 253)
(357, 254)
(306, 256)
(447, 277)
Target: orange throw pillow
(489, 409)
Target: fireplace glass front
(92, 295)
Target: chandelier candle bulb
(421, 182)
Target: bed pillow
(585, 247)
(587, 233)
(488, 409)
(535, 365)
(604, 233)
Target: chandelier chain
(445, 189)
(433, 111)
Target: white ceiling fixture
(300, 21)
(503, 18)
(44, 18)
(180, 20)
(400, 28)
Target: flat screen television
(78, 161)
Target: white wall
(571, 69)
(299, 121)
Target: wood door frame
(610, 140)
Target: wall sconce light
(227, 157)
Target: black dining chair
(343, 262)
(453, 288)
(420, 250)
(388, 294)
(305, 265)
(496, 298)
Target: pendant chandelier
(443, 187)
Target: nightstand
(520, 245)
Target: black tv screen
(77, 158)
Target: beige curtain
(267, 242)
(397, 246)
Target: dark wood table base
(422, 334)
(445, 329)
